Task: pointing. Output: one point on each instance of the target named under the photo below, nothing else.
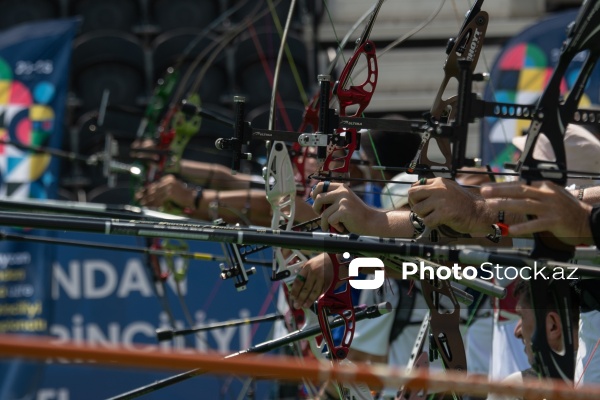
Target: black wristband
(417, 223)
(198, 197)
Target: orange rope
(286, 368)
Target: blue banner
(34, 71)
(107, 297)
(520, 74)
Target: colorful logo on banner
(519, 76)
(26, 116)
(34, 66)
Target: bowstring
(248, 21)
(288, 53)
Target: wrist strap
(198, 197)
(196, 203)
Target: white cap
(582, 149)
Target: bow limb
(169, 136)
(310, 118)
(213, 49)
(350, 95)
(281, 191)
(170, 85)
(467, 45)
(359, 95)
(552, 115)
(211, 52)
(280, 183)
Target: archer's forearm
(214, 176)
(243, 206)
(234, 206)
(393, 223)
(589, 195)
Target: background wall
(125, 46)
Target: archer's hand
(316, 276)
(345, 210)
(167, 191)
(555, 210)
(444, 202)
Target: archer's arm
(232, 206)
(215, 176)
(590, 195)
